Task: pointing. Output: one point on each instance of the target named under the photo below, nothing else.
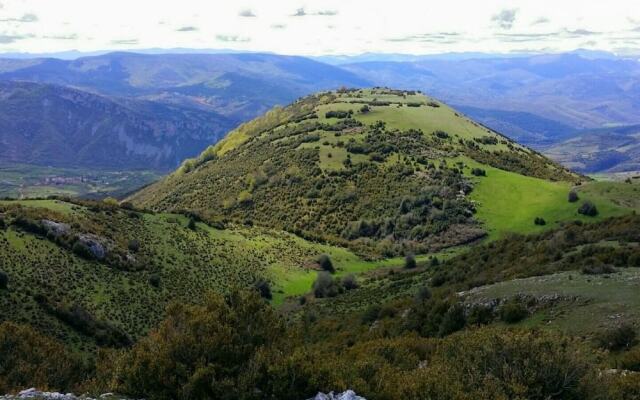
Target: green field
(509, 202)
(33, 181)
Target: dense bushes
(28, 359)
(201, 352)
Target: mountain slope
(379, 169)
(53, 125)
(603, 150)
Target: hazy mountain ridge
(54, 125)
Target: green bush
(588, 208)
(324, 261)
(410, 261)
(622, 337)
(573, 196)
(513, 311)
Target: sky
(324, 27)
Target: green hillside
(149, 260)
(380, 171)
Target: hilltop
(380, 169)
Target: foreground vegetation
(444, 331)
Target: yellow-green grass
(509, 202)
(291, 283)
(54, 205)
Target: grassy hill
(378, 170)
(149, 260)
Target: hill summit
(382, 170)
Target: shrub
(325, 286)
(573, 196)
(29, 359)
(441, 134)
(423, 294)
(620, 338)
(513, 311)
(134, 245)
(349, 282)
(4, 280)
(264, 289)
(478, 172)
(192, 224)
(631, 360)
(539, 221)
(365, 109)
(200, 351)
(338, 114)
(154, 280)
(410, 261)
(453, 320)
(324, 261)
(588, 208)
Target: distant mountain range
(47, 124)
(124, 110)
(538, 100)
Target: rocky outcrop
(347, 395)
(34, 394)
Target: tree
(410, 261)
(588, 208)
(365, 109)
(325, 286)
(264, 289)
(573, 196)
(325, 263)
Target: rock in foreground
(347, 395)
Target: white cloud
(339, 26)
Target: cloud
(525, 37)
(247, 13)
(7, 39)
(125, 41)
(541, 20)
(505, 18)
(579, 33)
(72, 36)
(232, 38)
(278, 26)
(300, 12)
(533, 37)
(26, 18)
(187, 29)
(636, 29)
(435, 37)
(327, 13)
